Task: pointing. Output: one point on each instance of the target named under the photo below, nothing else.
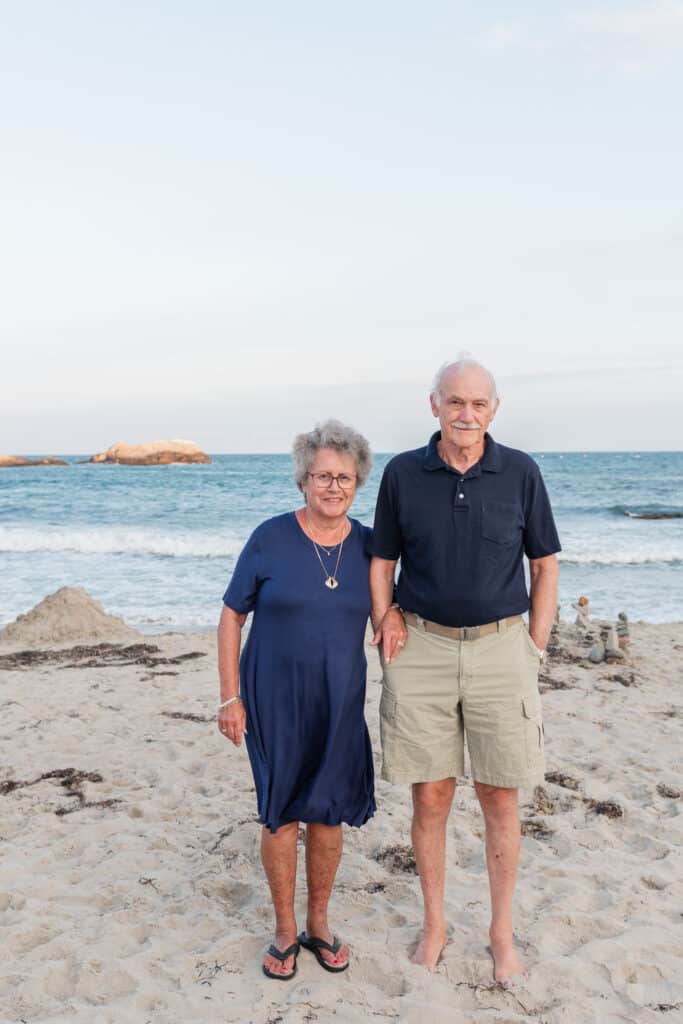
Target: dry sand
(131, 889)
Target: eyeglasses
(323, 480)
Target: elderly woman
(297, 693)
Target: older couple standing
(460, 515)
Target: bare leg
(278, 853)
(323, 853)
(431, 805)
(501, 815)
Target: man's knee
(496, 800)
(433, 799)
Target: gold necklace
(331, 581)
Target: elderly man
(458, 658)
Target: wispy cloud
(659, 23)
(631, 35)
(503, 35)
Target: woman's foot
(281, 968)
(320, 930)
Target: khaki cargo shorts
(439, 690)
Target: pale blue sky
(222, 221)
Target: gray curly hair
(337, 436)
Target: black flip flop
(314, 945)
(292, 950)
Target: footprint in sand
(60, 981)
(381, 973)
(99, 984)
(233, 894)
(21, 943)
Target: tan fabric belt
(460, 632)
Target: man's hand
(391, 634)
(544, 573)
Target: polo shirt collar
(490, 462)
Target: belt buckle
(470, 632)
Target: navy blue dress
(302, 675)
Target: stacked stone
(623, 634)
(609, 645)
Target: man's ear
(495, 408)
(434, 405)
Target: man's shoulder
(517, 460)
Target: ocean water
(157, 544)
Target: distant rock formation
(7, 461)
(154, 453)
(70, 615)
(654, 515)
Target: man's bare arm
(387, 622)
(545, 573)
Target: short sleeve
(540, 533)
(386, 533)
(366, 534)
(246, 579)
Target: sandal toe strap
(331, 947)
(282, 955)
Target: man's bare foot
(507, 966)
(281, 941)
(430, 947)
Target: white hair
(464, 362)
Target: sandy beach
(131, 888)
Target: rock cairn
(601, 639)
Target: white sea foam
(117, 541)
(214, 544)
(635, 554)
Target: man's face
(464, 406)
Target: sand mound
(67, 616)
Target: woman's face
(325, 496)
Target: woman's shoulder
(363, 532)
(273, 527)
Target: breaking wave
(640, 554)
(103, 541)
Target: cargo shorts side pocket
(531, 645)
(387, 708)
(533, 730)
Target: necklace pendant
(331, 582)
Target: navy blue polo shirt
(461, 538)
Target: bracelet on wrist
(228, 702)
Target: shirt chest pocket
(501, 522)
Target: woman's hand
(232, 722)
(391, 634)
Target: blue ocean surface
(157, 544)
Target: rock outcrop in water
(153, 453)
(7, 461)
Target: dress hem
(340, 820)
